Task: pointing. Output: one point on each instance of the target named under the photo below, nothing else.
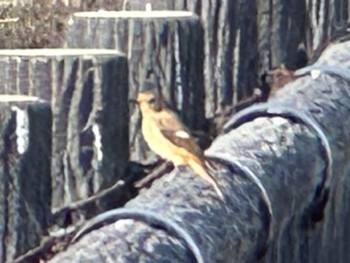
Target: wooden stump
(230, 61)
(281, 33)
(25, 181)
(243, 40)
(165, 51)
(89, 99)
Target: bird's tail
(199, 168)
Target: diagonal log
(287, 193)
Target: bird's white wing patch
(315, 73)
(182, 134)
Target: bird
(167, 136)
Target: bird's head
(149, 100)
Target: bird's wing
(177, 133)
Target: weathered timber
(293, 32)
(340, 18)
(25, 180)
(165, 52)
(318, 26)
(244, 39)
(88, 92)
(230, 68)
(281, 34)
(284, 171)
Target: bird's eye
(152, 101)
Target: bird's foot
(182, 168)
(155, 174)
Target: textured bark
(89, 98)
(234, 57)
(165, 51)
(25, 181)
(281, 37)
(244, 39)
(318, 27)
(308, 193)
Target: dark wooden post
(281, 33)
(242, 40)
(25, 181)
(88, 93)
(165, 51)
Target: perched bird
(168, 137)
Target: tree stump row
(88, 94)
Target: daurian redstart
(168, 137)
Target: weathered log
(283, 169)
(165, 51)
(89, 98)
(25, 181)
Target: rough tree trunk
(281, 34)
(287, 193)
(229, 66)
(89, 99)
(25, 181)
(165, 51)
(244, 39)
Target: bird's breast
(158, 143)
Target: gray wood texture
(89, 98)
(25, 180)
(244, 39)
